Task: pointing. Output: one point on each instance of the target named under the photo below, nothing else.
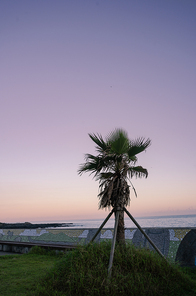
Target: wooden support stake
(113, 245)
(102, 225)
(143, 232)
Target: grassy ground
(135, 272)
(19, 274)
(84, 272)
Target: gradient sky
(73, 67)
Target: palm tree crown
(114, 166)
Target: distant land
(28, 225)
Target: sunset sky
(73, 67)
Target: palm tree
(114, 166)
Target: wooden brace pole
(102, 225)
(143, 232)
(113, 245)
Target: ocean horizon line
(112, 218)
(73, 221)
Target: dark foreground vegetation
(84, 272)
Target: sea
(154, 221)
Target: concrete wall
(166, 239)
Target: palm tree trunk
(120, 237)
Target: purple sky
(69, 68)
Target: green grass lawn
(84, 272)
(19, 274)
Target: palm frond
(90, 167)
(137, 171)
(106, 176)
(133, 188)
(94, 164)
(99, 141)
(133, 158)
(118, 141)
(138, 146)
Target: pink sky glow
(69, 68)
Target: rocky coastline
(28, 225)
